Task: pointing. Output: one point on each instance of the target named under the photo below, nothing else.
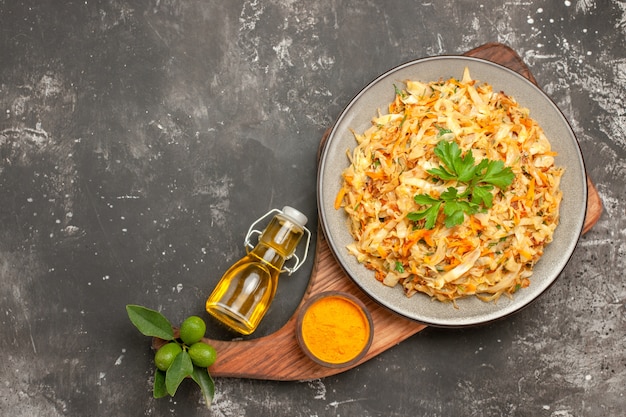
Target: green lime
(166, 354)
(192, 330)
(202, 355)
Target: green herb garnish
(399, 92)
(442, 131)
(479, 180)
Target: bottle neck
(278, 242)
(282, 235)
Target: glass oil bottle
(246, 290)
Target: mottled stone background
(140, 139)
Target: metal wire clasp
(298, 263)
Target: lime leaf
(180, 369)
(159, 390)
(202, 377)
(150, 322)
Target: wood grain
(278, 356)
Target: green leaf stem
(202, 377)
(150, 322)
(181, 368)
(159, 390)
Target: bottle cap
(295, 215)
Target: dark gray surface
(139, 140)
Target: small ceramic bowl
(334, 329)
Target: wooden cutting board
(278, 356)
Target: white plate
(357, 116)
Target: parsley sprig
(479, 180)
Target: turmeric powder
(335, 329)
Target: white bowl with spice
(334, 329)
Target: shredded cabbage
(493, 251)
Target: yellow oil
(246, 290)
